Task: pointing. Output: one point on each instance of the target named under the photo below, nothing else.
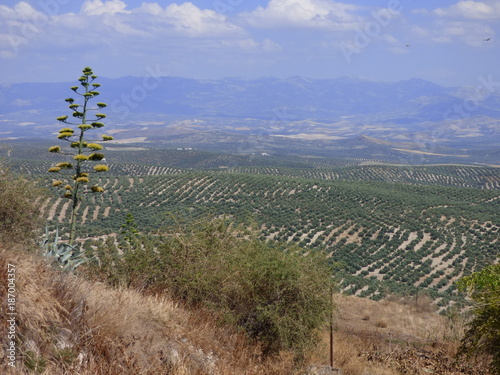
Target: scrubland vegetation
(20, 202)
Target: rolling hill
(273, 115)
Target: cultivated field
(385, 237)
(389, 229)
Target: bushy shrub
(278, 296)
(483, 333)
(19, 207)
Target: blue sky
(440, 41)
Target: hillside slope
(70, 325)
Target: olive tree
(83, 151)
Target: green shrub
(278, 296)
(483, 334)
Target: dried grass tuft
(68, 325)
(76, 326)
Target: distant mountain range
(155, 108)
(320, 99)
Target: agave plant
(75, 175)
(67, 257)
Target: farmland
(33, 158)
(388, 237)
(388, 229)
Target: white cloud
(100, 18)
(305, 14)
(151, 8)
(465, 22)
(420, 31)
(190, 20)
(468, 9)
(98, 7)
(20, 11)
(8, 40)
(270, 46)
(125, 39)
(184, 20)
(21, 25)
(471, 33)
(247, 44)
(441, 39)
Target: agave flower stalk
(84, 150)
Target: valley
(388, 229)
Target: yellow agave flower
(101, 168)
(81, 157)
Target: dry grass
(68, 325)
(394, 337)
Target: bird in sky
(487, 39)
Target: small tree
(129, 229)
(85, 150)
(483, 333)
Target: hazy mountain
(413, 111)
(324, 99)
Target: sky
(448, 42)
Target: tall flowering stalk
(85, 151)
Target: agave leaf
(65, 258)
(60, 251)
(68, 257)
(72, 266)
